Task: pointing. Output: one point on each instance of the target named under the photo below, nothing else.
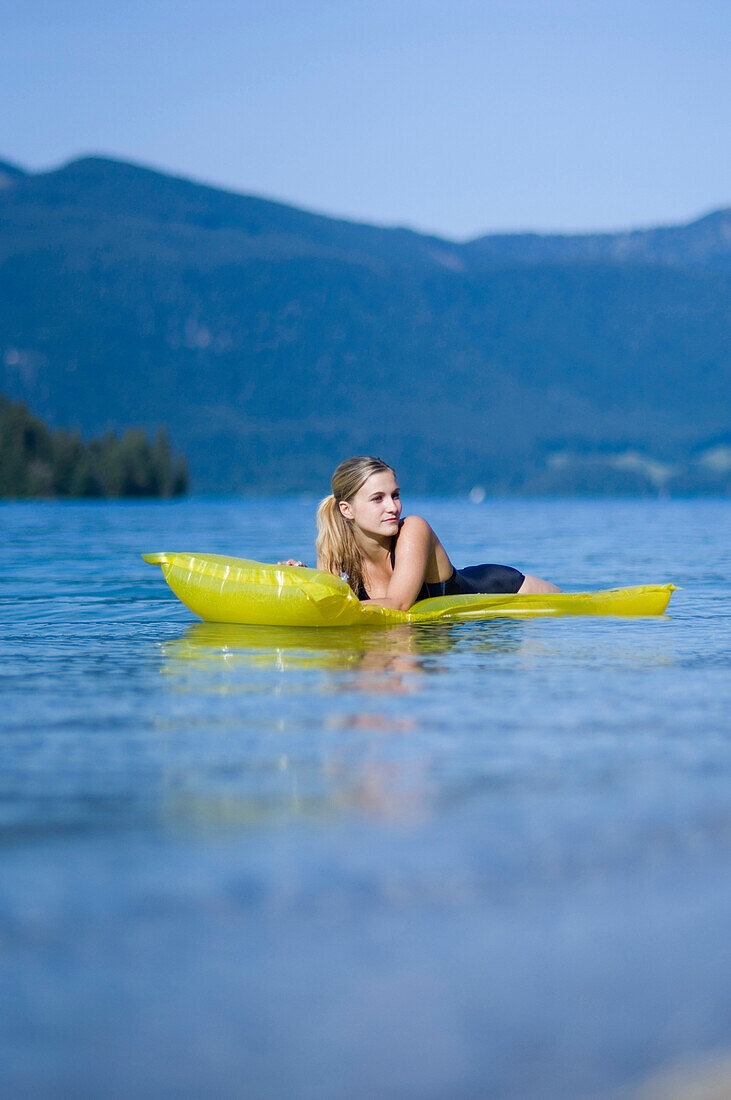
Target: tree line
(36, 461)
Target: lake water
(471, 860)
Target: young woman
(392, 561)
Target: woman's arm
(413, 548)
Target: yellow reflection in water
(404, 648)
(348, 762)
(382, 661)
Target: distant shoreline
(37, 463)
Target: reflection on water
(341, 761)
(274, 723)
(402, 649)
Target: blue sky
(457, 117)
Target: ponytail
(337, 549)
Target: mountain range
(273, 342)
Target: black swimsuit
(485, 579)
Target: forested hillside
(274, 342)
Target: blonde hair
(336, 546)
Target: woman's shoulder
(415, 527)
(415, 532)
(414, 523)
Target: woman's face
(376, 507)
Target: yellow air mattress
(234, 590)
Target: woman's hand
(291, 561)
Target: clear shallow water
(467, 860)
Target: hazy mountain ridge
(705, 242)
(104, 186)
(274, 341)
